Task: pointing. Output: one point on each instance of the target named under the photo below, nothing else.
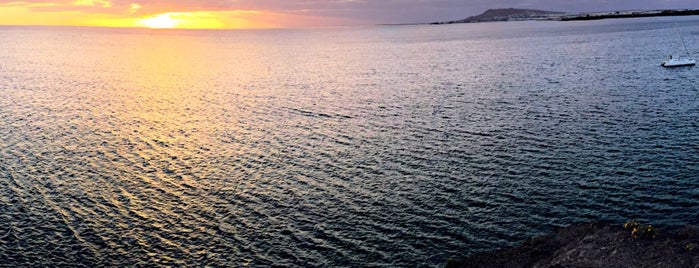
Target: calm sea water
(377, 146)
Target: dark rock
(595, 245)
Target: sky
(285, 13)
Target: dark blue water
(377, 146)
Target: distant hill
(507, 14)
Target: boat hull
(678, 63)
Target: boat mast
(682, 40)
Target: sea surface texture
(380, 146)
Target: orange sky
(282, 13)
(153, 14)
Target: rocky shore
(596, 245)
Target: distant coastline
(508, 14)
(630, 14)
(512, 14)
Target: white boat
(677, 62)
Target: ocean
(376, 146)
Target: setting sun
(184, 20)
(161, 21)
(157, 15)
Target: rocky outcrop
(595, 245)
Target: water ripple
(397, 159)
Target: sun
(162, 21)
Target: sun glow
(162, 21)
(184, 20)
(112, 13)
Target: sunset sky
(283, 14)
